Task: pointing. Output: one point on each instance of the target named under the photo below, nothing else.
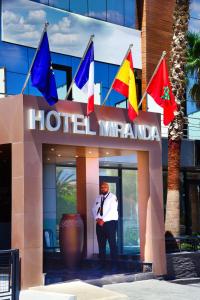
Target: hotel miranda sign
(79, 124)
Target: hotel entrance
(51, 147)
(60, 195)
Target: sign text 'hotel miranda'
(79, 124)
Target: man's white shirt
(110, 208)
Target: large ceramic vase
(71, 236)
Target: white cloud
(10, 17)
(63, 39)
(62, 26)
(36, 16)
(32, 35)
(19, 28)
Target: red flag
(160, 90)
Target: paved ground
(157, 290)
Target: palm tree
(193, 65)
(178, 59)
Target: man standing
(105, 212)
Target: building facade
(71, 24)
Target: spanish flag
(125, 84)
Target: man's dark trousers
(107, 232)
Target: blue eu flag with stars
(42, 75)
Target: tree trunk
(175, 134)
(172, 220)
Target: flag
(84, 78)
(42, 75)
(160, 90)
(125, 84)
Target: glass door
(124, 187)
(130, 220)
(114, 187)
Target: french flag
(84, 79)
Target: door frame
(117, 181)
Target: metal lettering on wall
(79, 124)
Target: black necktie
(101, 207)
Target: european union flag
(42, 75)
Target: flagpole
(130, 46)
(36, 52)
(88, 45)
(145, 93)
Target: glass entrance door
(125, 188)
(114, 187)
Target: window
(108, 172)
(97, 9)
(63, 76)
(122, 104)
(79, 7)
(130, 13)
(41, 1)
(60, 4)
(115, 11)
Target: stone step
(82, 291)
(120, 278)
(44, 295)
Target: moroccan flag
(125, 84)
(160, 90)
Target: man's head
(104, 188)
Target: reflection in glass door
(66, 201)
(130, 221)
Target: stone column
(87, 190)
(27, 206)
(151, 212)
(156, 210)
(143, 206)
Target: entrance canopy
(30, 125)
